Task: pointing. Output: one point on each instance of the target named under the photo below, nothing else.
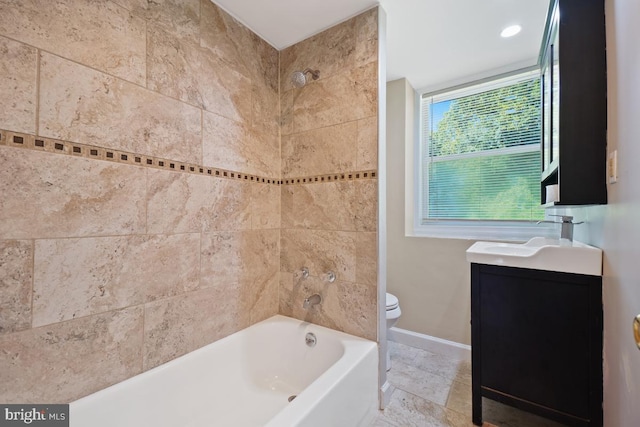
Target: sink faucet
(309, 302)
(566, 232)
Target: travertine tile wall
(107, 267)
(330, 127)
(118, 250)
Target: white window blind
(480, 152)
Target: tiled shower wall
(141, 185)
(139, 202)
(330, 128)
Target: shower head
(299, 78)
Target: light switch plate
(612, 167)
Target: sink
(541, 254)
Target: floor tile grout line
(505, 416)
(427, 400)
(434, 374)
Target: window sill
(490, 230)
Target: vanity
(536, 328)
(536, 307)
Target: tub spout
(309, 302)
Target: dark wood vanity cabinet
(536, 340)
(574, 103)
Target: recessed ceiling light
(511, 31)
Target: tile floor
(431, 390)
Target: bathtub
(247, 379)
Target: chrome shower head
(299, 78)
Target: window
(479, 171)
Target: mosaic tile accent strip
(343, 176)
(37, 143)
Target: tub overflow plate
(310, 339)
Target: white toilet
(393, 314)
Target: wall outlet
(612, 167)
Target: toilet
(393, 314)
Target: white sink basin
(541, 254)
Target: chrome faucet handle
(547, 222)
(567, 219)
(330, 277)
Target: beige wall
(615, 227)
(329, 160)
(109, 268)
(430, 277)
(141, 183)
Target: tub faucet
(309, 302)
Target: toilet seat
(392, 302)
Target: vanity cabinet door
(535, 339)
(537, 342)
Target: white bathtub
(245, 380)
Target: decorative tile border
(343, 176)
(37, 143)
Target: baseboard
(429, 343)
(385, 394)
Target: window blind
(481, 152)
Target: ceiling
(433, 43)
